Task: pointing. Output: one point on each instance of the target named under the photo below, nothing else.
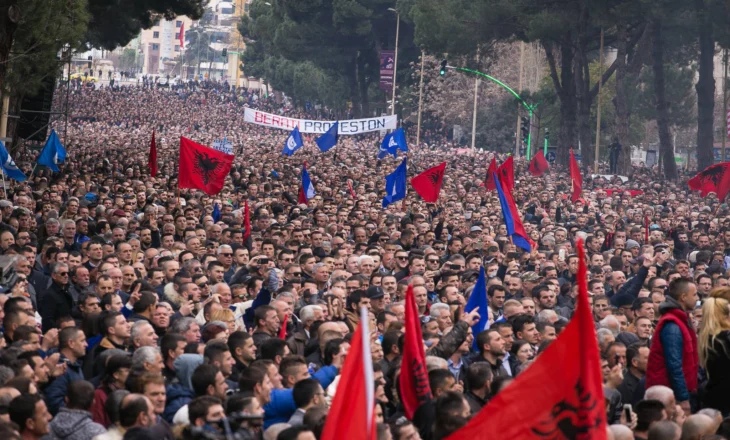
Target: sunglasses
(402, 258)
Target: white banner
(347, 127)
(223, 145)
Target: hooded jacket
(173, 297)
(179, 394)
(73, 424)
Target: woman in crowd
(714, 347)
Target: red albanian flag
(489, 183)
(549, 402)
(507, 174)
(414, 387)
(575, 178)
(152, 159)
(713, 179)
(246, 222)
(428, 183)
(538, 164)
(203, 168)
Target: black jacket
(56, 303)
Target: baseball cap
(119, 213)
(530, 276)
(475, 229)
(374, 292)
(638, 260)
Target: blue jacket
(57, 390)
(177, 397)
(282, 406)
(673, 344)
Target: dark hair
(198, 407)
(638, 302)
(632, 351)
(237, 339)
(648, 412)
(22, 408)
(113, 404)
(215, 349)
(390, 339)
(331, 348)
(261, 312)
(130, 408)
(250, 377)
(169, 343)
(203, 377)
(438, 378)
(449, 406)
(23, 332)
(80, 395)
(484, 338)
(293, 432)
(520, 321)
(146, 300)
(679, 286)
(109, 320)
(477, 375)
(304, 391)
(271, 348)
(115, 363)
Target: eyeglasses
(63, 274)
(202, 285)
(226, 255)
(439, 248)
(295, 274)
(433, 261)
(402, 258)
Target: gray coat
(73, 424)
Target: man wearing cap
(377, 299)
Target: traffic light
(442, 71)
(547, 134)
(525, 129)
(225, 53)
(90, 59)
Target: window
(177, 48)
(177, 35)
(178, 24)
(155, 46)
(155, 34)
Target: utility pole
(474, 116)
(518, 138)
(420, 99)
(598, 108)
(724, 105)
(395, 58)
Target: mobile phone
(561, 254)
(263, 261)
(627, 411)
(454, 266)
(616, 360)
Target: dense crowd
(131, 313)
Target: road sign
(551, 156)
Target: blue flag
(274, 174)
(293, 142)
(329, 139)
(392, 143)
(515, 229)
(216, 213)
(11, 170)
(53, 152)
(395, 184)
(478, 298)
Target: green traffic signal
(442, 71)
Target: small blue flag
(306, 191)
(11, 170)
(216, 213)
(392, 143)
(395, 184)
(275, 174)
(329, 139)
(478, 298)
(53, 152)
(293, 142)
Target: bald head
(665, 430)
(696, 426)
(621, 432)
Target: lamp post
(395, 58)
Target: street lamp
(395, 58)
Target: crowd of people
(133, 312)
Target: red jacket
(657, 372)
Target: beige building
(160, 46)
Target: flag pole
(5, 190)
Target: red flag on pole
(713, 179)
(506, 173)
(489, 183)
(428, 183)
(352, 413)
(352, 191)
(246, 223)
(538, 164)
(202, 167)
(545, 402)
(414, 387)
(182, 36)
(575, 178)
(282, 330)
(152, 159)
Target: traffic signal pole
(530, 108)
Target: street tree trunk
(564, 84)
(9, 18)
(665, 141)
(705, 88)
